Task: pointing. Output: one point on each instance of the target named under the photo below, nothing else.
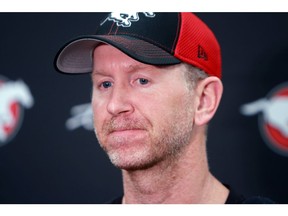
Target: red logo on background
(273, 121)
(14, 97)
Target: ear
(209, 92)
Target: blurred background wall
(48, 150)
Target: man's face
(142, 114)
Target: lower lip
(127, 132)
(126, 138)
(128, 135)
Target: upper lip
(124, 129)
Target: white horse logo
(125, 19)
(275, 112)
(273, 121)
(11, 92)
(81, 117)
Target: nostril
(119, 104)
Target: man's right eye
(106, 84)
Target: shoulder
(258, 200)
(236, 198)
(117, 200)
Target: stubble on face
(163, 140)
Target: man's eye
(143, 81)
(106, 84)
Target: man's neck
(186, 180)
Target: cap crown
(151, 38)
(160, 29)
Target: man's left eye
(143, 81)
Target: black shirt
(233, 198)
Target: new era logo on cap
(202, 53)
(151, 38)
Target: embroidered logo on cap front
(273, 122)
(14, 96)
(126, 19)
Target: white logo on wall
(81, 116)
(126, 19)
(14, 97)
(273, 118)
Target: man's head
(156, 84)
(144, 114)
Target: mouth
(126, 130)
(126, 136)
(130, 128)
(133, 133)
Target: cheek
(174, 99)
(163, 107)
(98, 108)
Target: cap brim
(76, 56)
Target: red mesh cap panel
(198, 46)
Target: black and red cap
(151, 38)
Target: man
(156, 85)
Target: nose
(120, 101)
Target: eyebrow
(132, 68)
(94, 73)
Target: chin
(132, 161)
